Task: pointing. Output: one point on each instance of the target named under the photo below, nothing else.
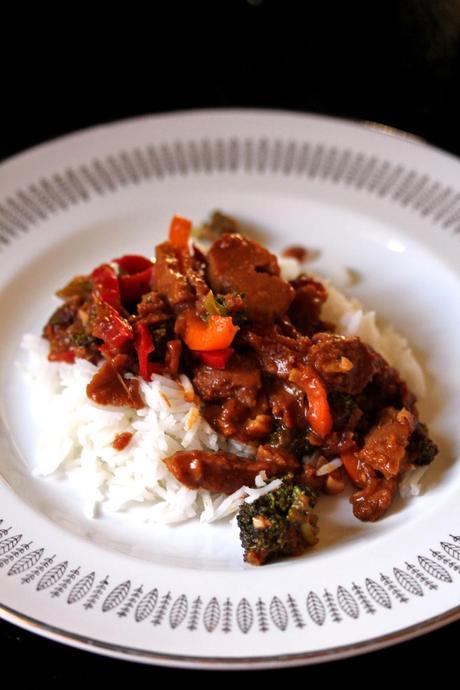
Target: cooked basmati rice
(329, 467)
(76, 435)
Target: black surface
(56, 664)
(396, 62)
(391, 62)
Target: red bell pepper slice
(179, 232)
(109, 326)
(105, 285)
(132, 263)
(144, 344)
(135, 277)
(65, 356)
(133, 287)
(319, 414)
(217, 359)
(157, 368)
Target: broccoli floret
(292, 440)
(280, 523)
(421, 449)
(342, 407)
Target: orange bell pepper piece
(179, 232)
(216, 333)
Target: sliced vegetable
(216, 333)
(217, 359)
(133, 287)
(179, 232)
(135, 277)
(105, 285)
(109, 326)
(144, 344)
(132, 263)
(157, 368)
(352, 467)
(319, 414)
(212, 306)
(107, 351)
(80, 286)
(65, 356)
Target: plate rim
(342, 651)
(227, 663)
(376, 126)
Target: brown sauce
(121, 440)
(227, 472)
(109, 386)
(296, 252)
(288, 384)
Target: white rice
(76, 435)
(329, 467)
(352, 319)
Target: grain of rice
(329, 467)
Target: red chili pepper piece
(65, 356)
(105, 285)
(135, 277)
(217, 359)
(109, 326)
(144, 344)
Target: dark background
(392, 62)
(396, 62)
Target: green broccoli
(292, 440)
(279, 523)
(421, 449)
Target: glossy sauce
(121, 440)
(110, 387)
(227, 472)
(296, 252)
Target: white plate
(386, 207)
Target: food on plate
(279, 523)
(206, 381)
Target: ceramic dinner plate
(384, 206)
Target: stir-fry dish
(311, 408)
